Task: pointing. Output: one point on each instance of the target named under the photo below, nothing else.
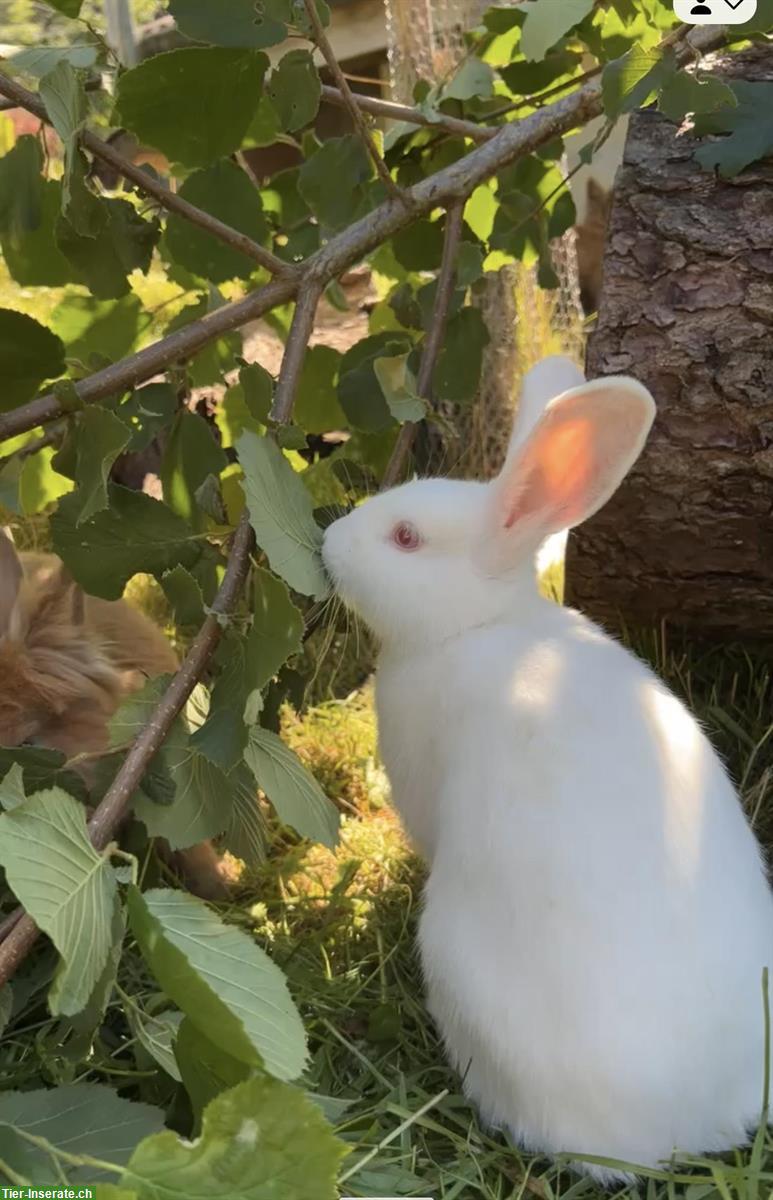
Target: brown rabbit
(66, 662)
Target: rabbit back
(597, 916)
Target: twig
(360, 124)
(113, 808)
(455, 182)
(433, 341)
(22, 98)
(295, 350)
(412, 116)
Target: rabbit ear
(549, 378)
(571, 463)
(10, 580)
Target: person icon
(700, 10)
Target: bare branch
(349, 102)
(21, 932)
(434, 339)
(295, 350)
(412, 116)
(22, 98)
(455, 182)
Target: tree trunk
(687, 308)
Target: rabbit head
(57, 688)
(429, 559)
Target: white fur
(597, 917)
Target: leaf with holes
(229, 23)
(281, 515)
(294, 90)
(194, 104)
(291, 788)
(228, 987)
(29, 353)
(65, 885)
(261, 1140)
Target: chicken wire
(525, 322)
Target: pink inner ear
(557, 475)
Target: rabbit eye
(406, 536)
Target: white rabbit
(597, 917)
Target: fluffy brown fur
(66, 662)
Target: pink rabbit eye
(406, 536)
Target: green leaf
(191, 455)
(419, 247)
(230, 23)
(157, 1035)
(12, 792)
(42, 769)
(359, 391)
(750, 126)
(546, 23)
(184, 594)
(68, 8)
(214, 360)
(399, 387)
(630, 81)
(99, 439)
(684, 94)
(147, 411)
(64, 96)
(261, 1140)
(228, 987)
(21, 185)
(294, 90)
(65, 885)
(291, 788)
(29, 353)
(32, 255)
(474, 78)
(223, 736)
(225, 191)
(40, 483)
(197, 806)
(458, 369)
(193, 104)
(6, 1006)
(277, 628)
(205, 1069)
(102, 261)
(258, 389)
(281, 515)
(246, 835)
(41, 60)
(134, 534)
(108, 328)
(89, 1019)
(319, 182)
(79, 1118)
(316, 407)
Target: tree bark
(687, 308)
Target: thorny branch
(434, 339)
(22, 98)
(355, 112)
